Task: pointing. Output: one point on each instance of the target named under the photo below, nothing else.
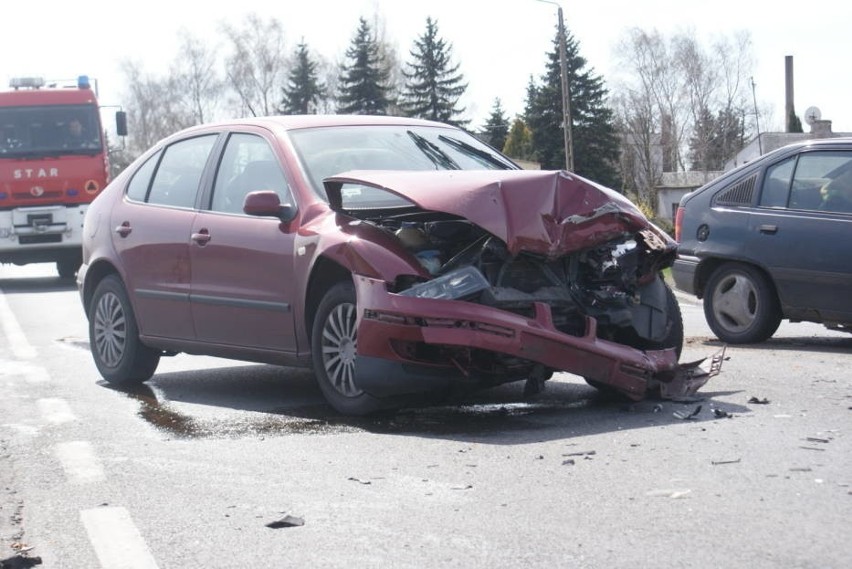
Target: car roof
(295, 122)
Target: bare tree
(391, 63)
(195, 71)
(678, 99)
(153, 109)
(256, 67)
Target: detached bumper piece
(689, 378)
(387, 319)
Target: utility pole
(566, 92)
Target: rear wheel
(114, 337)
(334, 343)
(740, 304)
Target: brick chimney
(821, 129)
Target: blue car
(771, 240)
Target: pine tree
(496, 128)
(716, 139)
(363, 79)
(595, 139)
(433, 85)
(795, 122)
(303, 90)
(518, 143)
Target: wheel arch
(96, 273)
(708, 266)
(325, 274)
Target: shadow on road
(828, 344)
(257, 400)
(37, 284)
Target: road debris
(19, 562)
(801, 469)
(812, 448)
(359, 481)
(817, 440)
(669, 493)
(684, 416)
(757, 401)
(287, 521)
(722, 414)
(568, 462)
(581, 453)
(718, 462)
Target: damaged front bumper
(386, 320)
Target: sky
(499, 44)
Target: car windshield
(327, 151)
(53, 130)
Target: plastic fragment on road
(287, 521)
(684, 416)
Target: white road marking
(55, 411)
(31, 373)
(117, 542)
(18, 343)
(80, 463)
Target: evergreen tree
(795, 122)
(303, 90)
(595, 139)
(433, 85)
(716, 139)
(363, 79)
(496, 128)
(519, 141)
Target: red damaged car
(397, 257)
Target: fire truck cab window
(31, 131)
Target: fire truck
(53, 162)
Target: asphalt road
(215, 463)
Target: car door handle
(202, 237)
(769, 229)
(124, 229)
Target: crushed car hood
(550, 213)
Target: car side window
(137, 189)
(248, 165)
(776, 184)
(179, 173)
(823, 181)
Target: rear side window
(776, 184)
(178, 175)
(141, 181)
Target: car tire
(67, 267)
(673, 339)
(740, 304)
(334, 344)
(121, 358)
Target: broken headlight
(453, 285)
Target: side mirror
(266, 203)
(121, 123)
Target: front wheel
(673, 338)
(740, 304)
(67, 266)
(334, 343)
(121, 358)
